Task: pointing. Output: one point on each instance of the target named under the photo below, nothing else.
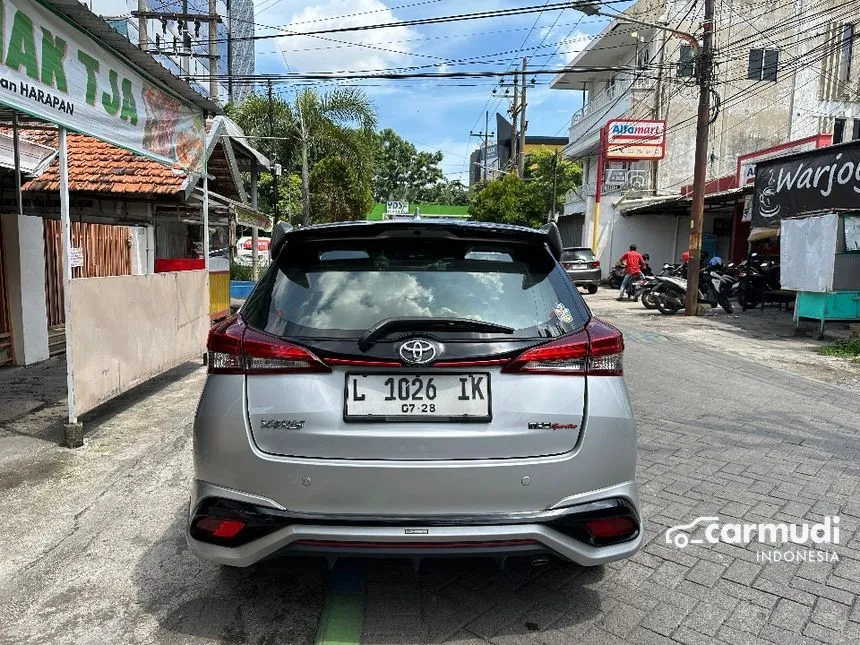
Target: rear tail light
(566, 265)
(595, 264)
(597, 350)
(236, 349)
(247, 245)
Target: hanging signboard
(823, 179)
(55, 71)
(630, 139)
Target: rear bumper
(583, 278)
(500, 534)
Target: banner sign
(747, 163)
(54, 71)
(635, 139)
(394, 207)
(824, 179)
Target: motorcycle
(616, 276)
(715, 288)
(756, 276)
(652, 286)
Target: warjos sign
(54, 71)
(635, 139)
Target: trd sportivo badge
(282, 424)
(553, 426)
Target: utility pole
(273, 155)
(485, 136)
(213, 51)
(143, 38)
(705, 69)
(306, 190)
(229, 51)
(521, 158)
(185, 60)
(554, 185)
(515, 110)
(486, 143)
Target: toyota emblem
(417, 352)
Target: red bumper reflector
(220, 528)
(606, 528)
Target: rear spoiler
(554, 239)
(281, 229)
(279, 236)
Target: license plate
(417, 397)
(577, 267)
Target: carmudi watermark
(801, 542)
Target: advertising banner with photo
(827, 179)
(55, 71)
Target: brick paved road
(719, 436)
(93, 550)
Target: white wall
(127, 329)
(24, 254)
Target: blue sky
(434, 115)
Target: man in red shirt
(633, 262)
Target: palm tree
(313, 126)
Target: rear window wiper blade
(409, 323)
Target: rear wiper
(409, 323)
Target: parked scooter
(715, 288)
(756, 276)
(650, 287)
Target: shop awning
(680, 204)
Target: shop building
(784, 73)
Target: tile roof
(99, 167)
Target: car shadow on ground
(280, 601)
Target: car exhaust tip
(540, 561)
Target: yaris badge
(417, 352)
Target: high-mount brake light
(597, 350)
(234, 348)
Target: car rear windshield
(341, 288)
(577, 255)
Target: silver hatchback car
(415, 388)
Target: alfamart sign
(635, 139)
(52, 70)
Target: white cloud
(322, 54)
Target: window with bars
(687, 62)
(763, 65)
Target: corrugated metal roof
(101, 31)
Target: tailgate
(388, 415)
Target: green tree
(392, 163)
(290, 196)
(401, 171)
(337, 192)
(337, 125)
(527, 201)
